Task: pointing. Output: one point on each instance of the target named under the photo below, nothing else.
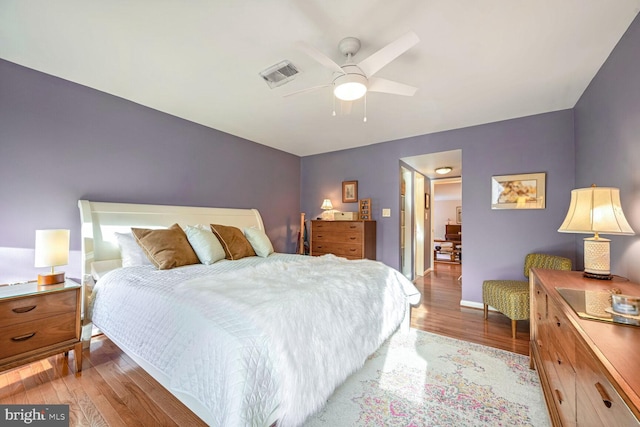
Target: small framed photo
(349, 191)
(525, 191)
(458, 214)
(427, 201)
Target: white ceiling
(477, 61)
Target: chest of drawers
(588, 369)
(349, 239)
(38, 321)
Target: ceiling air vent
(279, 74)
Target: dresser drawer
(342, 237)
(30, 308)
(560, 332)
(562, 378)
(338, 249)
(596, 392)
(338, 226)
(25, 337)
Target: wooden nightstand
(39, 321)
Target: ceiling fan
(352, 81)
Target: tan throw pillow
(233, 241)
(167, 248)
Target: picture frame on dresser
(349, 191)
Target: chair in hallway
(511, 297)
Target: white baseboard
(473, 304)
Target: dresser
(349, 239)
(589, 369)
(38, 321)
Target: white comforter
(255, 340)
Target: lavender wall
(495, 242)
(607, 127)
(60, 142)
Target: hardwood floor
(113, 391)
(440, 312)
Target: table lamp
(52, 250)
(596, 210)
(326, 207)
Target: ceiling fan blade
(376, 84)
(319, 56)
(376, 61)
(306, 90)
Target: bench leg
(513, 329)
(486, 312)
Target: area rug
(423, 379)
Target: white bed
(246, 342)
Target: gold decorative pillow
(233, 241)
(166, 248)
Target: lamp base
(597, 276)
(50, 279)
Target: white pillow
(205, 244)
(130, 251)
(259, 242)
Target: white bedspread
(255, 340)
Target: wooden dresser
(349, 239)
(38, 321)
(589, 369)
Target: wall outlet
(386, 212)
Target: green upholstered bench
(511, 297)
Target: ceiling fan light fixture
(443, 170)
(349, 87)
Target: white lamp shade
(52, 248)
(596, 210)
(326, 204)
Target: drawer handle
(540, 343)
(557, 320)
(352, 250)
(539, 316)
(603, 394)
(23, 309)
(23, 337)
(559, 396)
(319, 235)
(352, 226)
(352, 238)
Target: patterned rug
(423, 379)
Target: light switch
(386, 212)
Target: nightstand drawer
(24, 337)
(30, 308)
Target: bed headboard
(100, 220)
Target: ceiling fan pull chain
(365, 108)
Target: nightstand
(38, 321)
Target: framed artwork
(349, 191)
(427, 200)
(525, 191)
(458, 214)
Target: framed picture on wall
(458, 214)
(349, 191)
(427, 200)
(525, 191)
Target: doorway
(419, 207)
